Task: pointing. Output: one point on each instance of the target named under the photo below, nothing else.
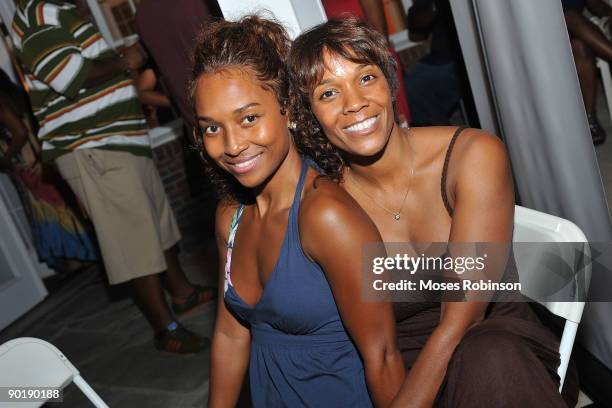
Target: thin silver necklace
(397, 215)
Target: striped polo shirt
(58, 48)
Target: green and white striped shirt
(58, 48)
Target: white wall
(7, 9)
(296, 15)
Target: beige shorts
(125, 198)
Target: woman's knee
(488, 357)
(492, 368)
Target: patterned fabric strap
(234, 226)
(230, 246)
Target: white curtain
(523, 76)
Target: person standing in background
(168, 30)
(154, 101)
(92, 127)
(438, 81)
(587, 41)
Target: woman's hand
(334, 230)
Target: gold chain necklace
(396, 214)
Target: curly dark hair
(350, 39)
(259, 46)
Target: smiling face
(353, 104)
(242, 127)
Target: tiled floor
(105, 336)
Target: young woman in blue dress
(289, 242)
(423, 185)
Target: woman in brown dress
(431, 184)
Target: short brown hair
(259, 46)
(350, 39)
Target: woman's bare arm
(483, 212)
(231, 340)
(145, 84)
(583, 29)
(337, 230)
(599, 8)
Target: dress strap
(449, 151)
(300, 185)
(293, 234)
(238, 214)
(230, 246)
(234, 226)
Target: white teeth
(245, 164)
(363, 125)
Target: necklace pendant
(396, 216)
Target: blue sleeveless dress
(301, 355)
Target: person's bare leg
(150, 298)
(174, 278)
(587, 73)
(185, 296)
(581, 28)
(169, 336)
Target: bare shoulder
(480, 168)
(480, 142)
(326, 208)
(324, 201)
(223, 219)
(473, 147)
(478, 149)
(441, 135)
(430, 143)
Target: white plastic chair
(31, 362)
(535, 226)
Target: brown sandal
(178, 339)
(200, 295)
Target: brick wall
(194, 213)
